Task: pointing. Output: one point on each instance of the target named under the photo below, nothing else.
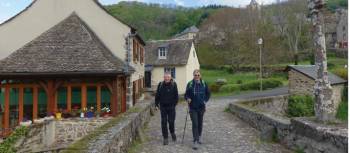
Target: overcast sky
(9, 8)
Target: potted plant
(90, 113)
(82, 112)
(105, 111)
(59, 114)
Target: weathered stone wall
(296, 133)
(120, 137)
(69, 130)
(39, 136)
(300, 84)
(275, 105)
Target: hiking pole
(183, 135)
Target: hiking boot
(165, 141)
(199, 140)
(195, 145)
(173, 136)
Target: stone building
(336, 28)
(69, 55)
(302, 81)
(177, 56)
(188, 33)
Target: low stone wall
(120, 137)
(69, 130)
(295, 133)
(39, 136)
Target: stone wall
(57, 134)
(120, 137)
(275, 105)
(295, 133)
(39, 136)
(69, 130)
(300, 84)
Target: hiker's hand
(189, 100)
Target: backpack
(160, 85)
(190, 84)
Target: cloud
(5, 4)
(179, 2)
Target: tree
(325, 108)
(291, 20)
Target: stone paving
(222, 133)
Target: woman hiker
(166, 99)
(197, 95)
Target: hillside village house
(302, 81)
(177, 56)
(67, 54)
(188, 33)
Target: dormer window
(162, 52)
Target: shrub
(239, 81)
(8, 144)
(342, 72)
(330, 65)
(266, 84)
(342, 111)
(299, 106)
(230, 88)
(214, 87)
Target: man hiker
(166, 99)
(197, 95)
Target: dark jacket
(167, 94)
(199, 94)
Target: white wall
(44, 14)
(192, 64)
(183, 73)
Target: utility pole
(325, 108)
(260, 43)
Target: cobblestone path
(222, 133)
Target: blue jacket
(199, 94)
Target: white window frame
(172, 70)
(162, 52)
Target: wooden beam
(35, 103)
(69, 98)
(124, 94)
(83, 96)
(98, 98)
(20, 104)
(109, 86)
(7, 108)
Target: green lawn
(210, 76)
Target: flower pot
(82, 115)
(90, 114)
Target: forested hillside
(155, 21)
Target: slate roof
(178, 52)
(310, 71)
(70, 47)
(192, 29)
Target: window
(162, 52)
(171, 70)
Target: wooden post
(55, 101)
(114, 98)
(83, 96)
(50, 96)
(7, 107)
(69, 98)
(124, 94)
(20, 104)
(98, 98)
(35, 103)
